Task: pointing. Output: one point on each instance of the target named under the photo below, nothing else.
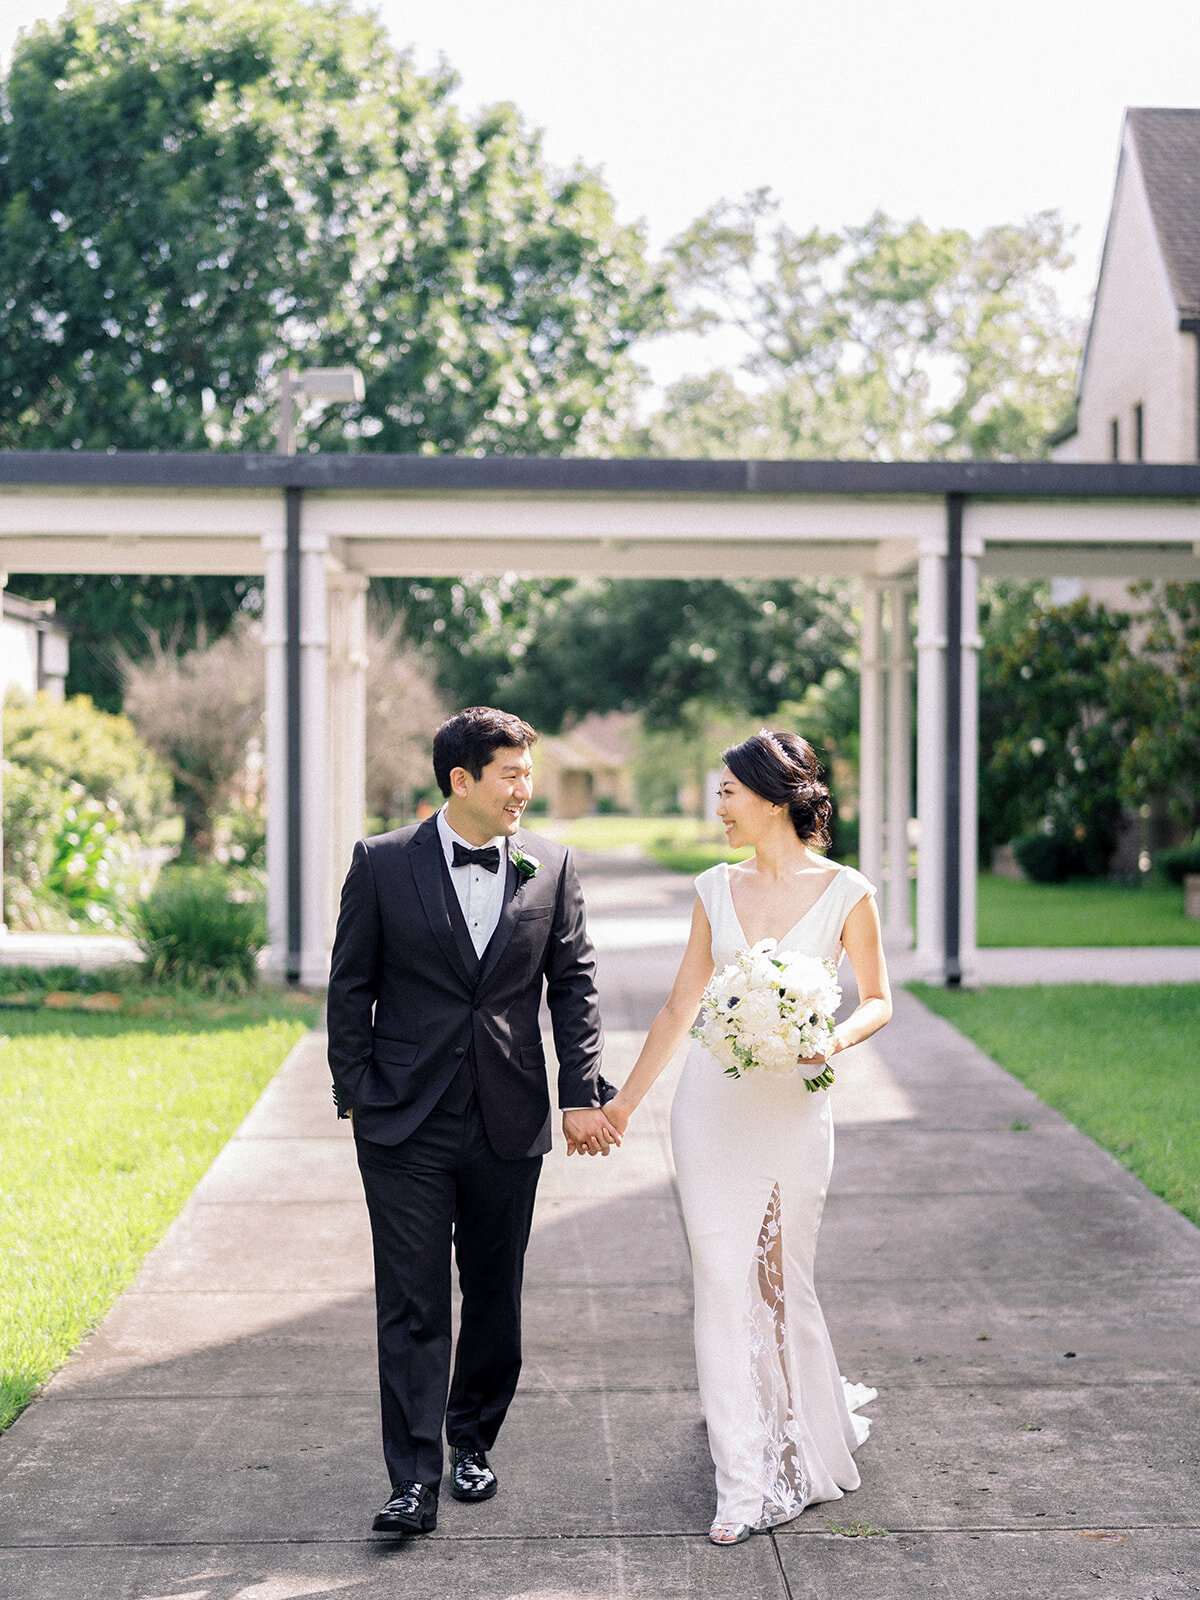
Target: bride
(754, 1154)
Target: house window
(1138, 433)
(1115, 435)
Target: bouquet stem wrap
(767, 1012)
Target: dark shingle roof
(1168, 149)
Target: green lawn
(612, 833)
(1122, 1063)
(1081, 913)
(1010, 913)
(109, 1122)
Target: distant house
(1138, 395)
(589, 767)
(33, 647)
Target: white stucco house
(33, 647)
(1138, 395)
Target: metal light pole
(314, 383)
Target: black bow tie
(488, 858)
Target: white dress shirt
(480, 893)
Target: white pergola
(319, 527)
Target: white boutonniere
(526, 865)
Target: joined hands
(590, 1132)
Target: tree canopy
(1156, 690)
(194, 193)
(557, 652)
(1052, 741)
(889, 340)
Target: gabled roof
(1167, 141)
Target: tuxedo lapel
(427, 859)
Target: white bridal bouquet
(763, 1012)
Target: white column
(970, 645)
(347, 729)
(898, 911)
(3, 923)
(314, 776)
(276, 731)
(870, 739)
(931, 753)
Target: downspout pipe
(954, 691)
(294, 721)
(1192, 325)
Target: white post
(276, 732)
(870, 742)
(931, 754)
(314, 777)
(3, 922)
(347, 728)
(971, 644)
(898, 911)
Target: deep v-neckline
(794, 926)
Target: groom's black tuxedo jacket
(410, 1004)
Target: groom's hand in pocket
(589, 1132)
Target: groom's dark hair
(471, 738)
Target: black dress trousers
(445, 1185)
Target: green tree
(556, 652)
(890, 340)
(194, 193)
(1156, 689)
(1052, 739)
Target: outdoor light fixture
(314, 383)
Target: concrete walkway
(1026, 1309)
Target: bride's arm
(862, 939)
(670, 1026)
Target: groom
(446, 933)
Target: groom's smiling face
(481, 808)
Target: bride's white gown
(754, 1156)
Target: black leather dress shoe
(412, 1509)
(470, 1476)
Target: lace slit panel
(784, 1481)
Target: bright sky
(961, 112)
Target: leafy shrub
(80, 791)
(67, 859)
(38, 981)
(241, 838)
(1175, 865)
(1052, 736)
(1048, 857)
(197, 928)
(71, 742)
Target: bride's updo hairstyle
(782, 768)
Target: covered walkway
(319, 527)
